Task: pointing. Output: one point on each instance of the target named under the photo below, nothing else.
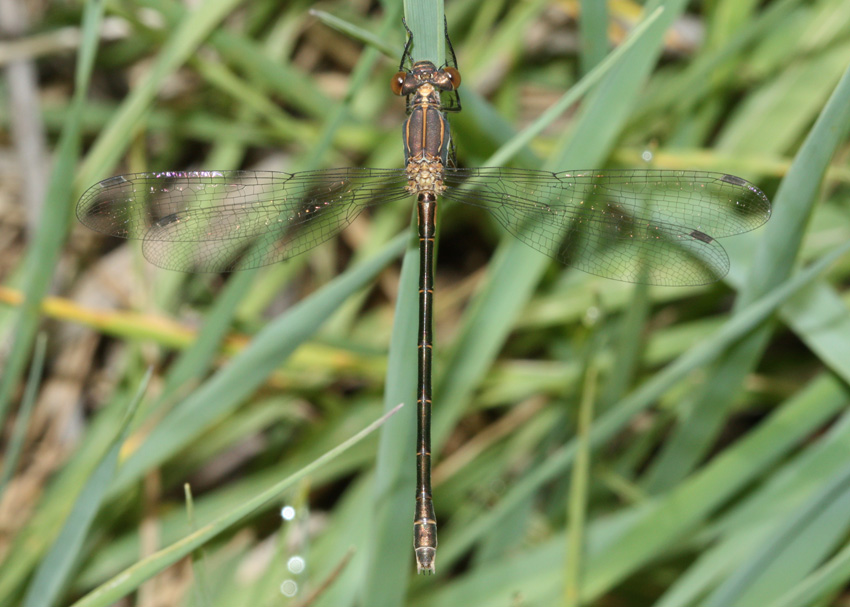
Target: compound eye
(397, 83)
(454, 76)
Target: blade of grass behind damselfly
(577, 504)
(390, 545)
(426, 19)
(593, 34)
(55, 568)
(390, 550)
(44, 251)
(375, 41)
(201, 583)
(130, 579)
(827, 580)
(628, 347)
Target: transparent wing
(648, 226)
(218, 221)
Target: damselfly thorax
(427, 137)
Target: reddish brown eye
(453, 75)
(397, 82)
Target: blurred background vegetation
(595, 442)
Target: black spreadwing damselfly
(650, 226)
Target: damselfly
(652, 226)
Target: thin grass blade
(390, 563)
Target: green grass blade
(426, 19)
(628, 347)
(593, 34)
(579, 483)
(202, 582)
(358, 33)
(55, 569)
(130, 579)
(390, 563)
(799, 543)
(826, 580)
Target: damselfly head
(425, 72)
